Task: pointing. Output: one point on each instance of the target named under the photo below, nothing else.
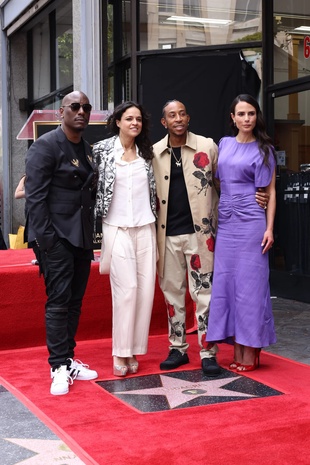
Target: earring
(234, 123)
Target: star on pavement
(179, 391)
(47, 451)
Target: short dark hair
(171, 101)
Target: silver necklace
(177, 162)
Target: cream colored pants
(177, 276)
(132, 278)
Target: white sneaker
(61, 381)
(80, 371)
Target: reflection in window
(126, 27)
(192, 8)
(64, 51)
(110, 33)
(41, 59)
(291, 30)
(52, 52)
(166, 5)
(247, 10)
(189, 23)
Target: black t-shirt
(179, 217)
(79, 150)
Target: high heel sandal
(133, 366)
(120, 370)
(234, 365)
(253, 367)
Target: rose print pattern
(202, 280)
(170, 310)
(201, 161)
(195, 262)
(207, 226)
(210, 244)
(202, 329)
(177, 329)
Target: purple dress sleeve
(263, 172)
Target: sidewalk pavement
(292, 321)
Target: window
(197, 23)
(166, 5)
(52, 53)
(247, 10)
(192, 8)
(64, 47)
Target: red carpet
(22, 295)
(104, 430)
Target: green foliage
(65, 53)
(257, 36)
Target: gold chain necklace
(177, 162)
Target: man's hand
(262, 198)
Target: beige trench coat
(199, 161)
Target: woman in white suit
(126, 202)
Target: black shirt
(179, 217)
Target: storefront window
(53, 52)
(291, 40)
(126, 27)
(41, 59)
(119, 38)
(193, 23)
(110, 32)
(64, 48)
(292, 130)
(292, 141)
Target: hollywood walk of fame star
(180, 391)
(47, 451)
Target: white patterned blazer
(103, 152)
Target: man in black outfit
(60, 195)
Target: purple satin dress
(240, 302)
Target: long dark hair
(143, 139)
(264, 141)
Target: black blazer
(60, 192)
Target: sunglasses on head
(76, 106)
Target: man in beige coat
(184, 164)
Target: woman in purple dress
(240, 309)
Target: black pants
(66, 275)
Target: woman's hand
(267, 241)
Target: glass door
(292, 226)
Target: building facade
(200, 51)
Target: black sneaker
(174, 360)
(210, 367)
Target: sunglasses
(76, 106)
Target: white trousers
(178, 275)
(132, 278)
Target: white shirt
(130, 206)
